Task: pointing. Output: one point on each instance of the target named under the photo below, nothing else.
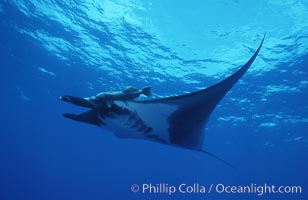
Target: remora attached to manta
(178, 121)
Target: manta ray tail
(216, 157)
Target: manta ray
(177, 120)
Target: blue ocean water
(50, 48)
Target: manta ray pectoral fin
(89, 117)
(182, 118)
(195, 108)
(77, 101)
